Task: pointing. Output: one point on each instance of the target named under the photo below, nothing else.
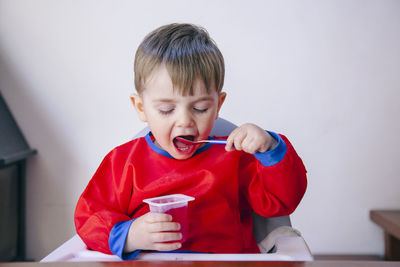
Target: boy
(179, 75)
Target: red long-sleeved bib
(226, 187)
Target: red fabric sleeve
(278, 189)
(104, 202)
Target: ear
(221, 99)
(137, 102)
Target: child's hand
(151, 232)
(251, 139)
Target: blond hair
(188, 53)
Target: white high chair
(277, 240)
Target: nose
(185, 119)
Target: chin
(181, 157)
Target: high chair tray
(288, 249)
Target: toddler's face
(170, 114)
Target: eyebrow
(164, 100)
(170, 100)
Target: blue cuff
(275, 155)
(117, 239)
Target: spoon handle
(217, 142)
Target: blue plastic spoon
(189, 142)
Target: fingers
(167, 246)
(153, 217)
(165, 237)
(160, 222)
(250, 145)
(235, 139)
(163, 227)
(162, 232)
(153, 231)
(249, 138)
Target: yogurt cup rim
(184, 198)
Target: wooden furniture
(389, 220)
(207, 264)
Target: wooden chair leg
(392, 248)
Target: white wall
(325, 73)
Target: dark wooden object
(389, 220)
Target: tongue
(180, 145)
(184, 140)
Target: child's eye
(165, 112)
(200, 110)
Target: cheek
(155, 119)
(158, 128)
(207, 125)
(161, 135)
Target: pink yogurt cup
(176, 205)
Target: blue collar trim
(165, 153)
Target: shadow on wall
(49, 216)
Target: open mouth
(182, 146)
(188, 139)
